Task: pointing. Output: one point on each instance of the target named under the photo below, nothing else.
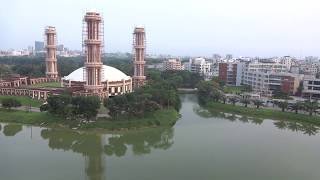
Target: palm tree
(283, 105)
(311, 106)
(223, 98)
(258, 103)
(296, 107)
(233, 100)
(245, 101)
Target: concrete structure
(265, 67)
(113, 80)
(51, 56)
(266, 83)
(138, 56)
(93, 43)
(172, 65)
(231, 73)
(200, 66)
(311, 88)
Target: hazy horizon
(180, 27)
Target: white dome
(109, 73)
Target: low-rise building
(311, 88)
(173, 65)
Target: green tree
(233, 100)
(296, 107)
(258, 103)
(283, 105)
(311, 106)
(245, 101)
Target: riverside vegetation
(212, 97)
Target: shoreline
(262, 113)
(161, 118)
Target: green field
(262, 113)
(167, 117)
(47, 85)
(25, 101)
(233, 89)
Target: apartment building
(231, 73)
(173, 64)
(269, 82)
(201, 66)
(311, 88)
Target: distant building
(38, 46)
(231, 73)
(269, 82)
(200, 66)
(311, 88)
(173, 64)
(229, 56)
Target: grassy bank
(263, 113)
(46, 85)
(167, 117)
(25, 101)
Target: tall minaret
(93, 42)
(138, 60)
(51, 58)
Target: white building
(173, 64)
(200, 66)
(311, 87)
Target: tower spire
(139, 77)
(51, 58)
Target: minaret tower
(93, 44)
(138, 60)
(51, 59)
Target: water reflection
(11, 129)
(93, 146)
(141, 142)
(305, 128)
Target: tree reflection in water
(305, 128)
(93, 146)
(12, 129)
(141, 142)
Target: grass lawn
(233, 89)
(163, 118)
(263, 113)
(32, 118)
(25, 101)
(47, 85)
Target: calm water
(201, 145)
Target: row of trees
(68, 107)
(308, 106)
(212, 91)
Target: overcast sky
(177, 27)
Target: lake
(200, 146)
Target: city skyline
(182, 28)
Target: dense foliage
(8, 103)
(72, 107)
(157, 94)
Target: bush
(8, 103)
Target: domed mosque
(114, 81)
(94, 79)
(102, 80)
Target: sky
(176, 27)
